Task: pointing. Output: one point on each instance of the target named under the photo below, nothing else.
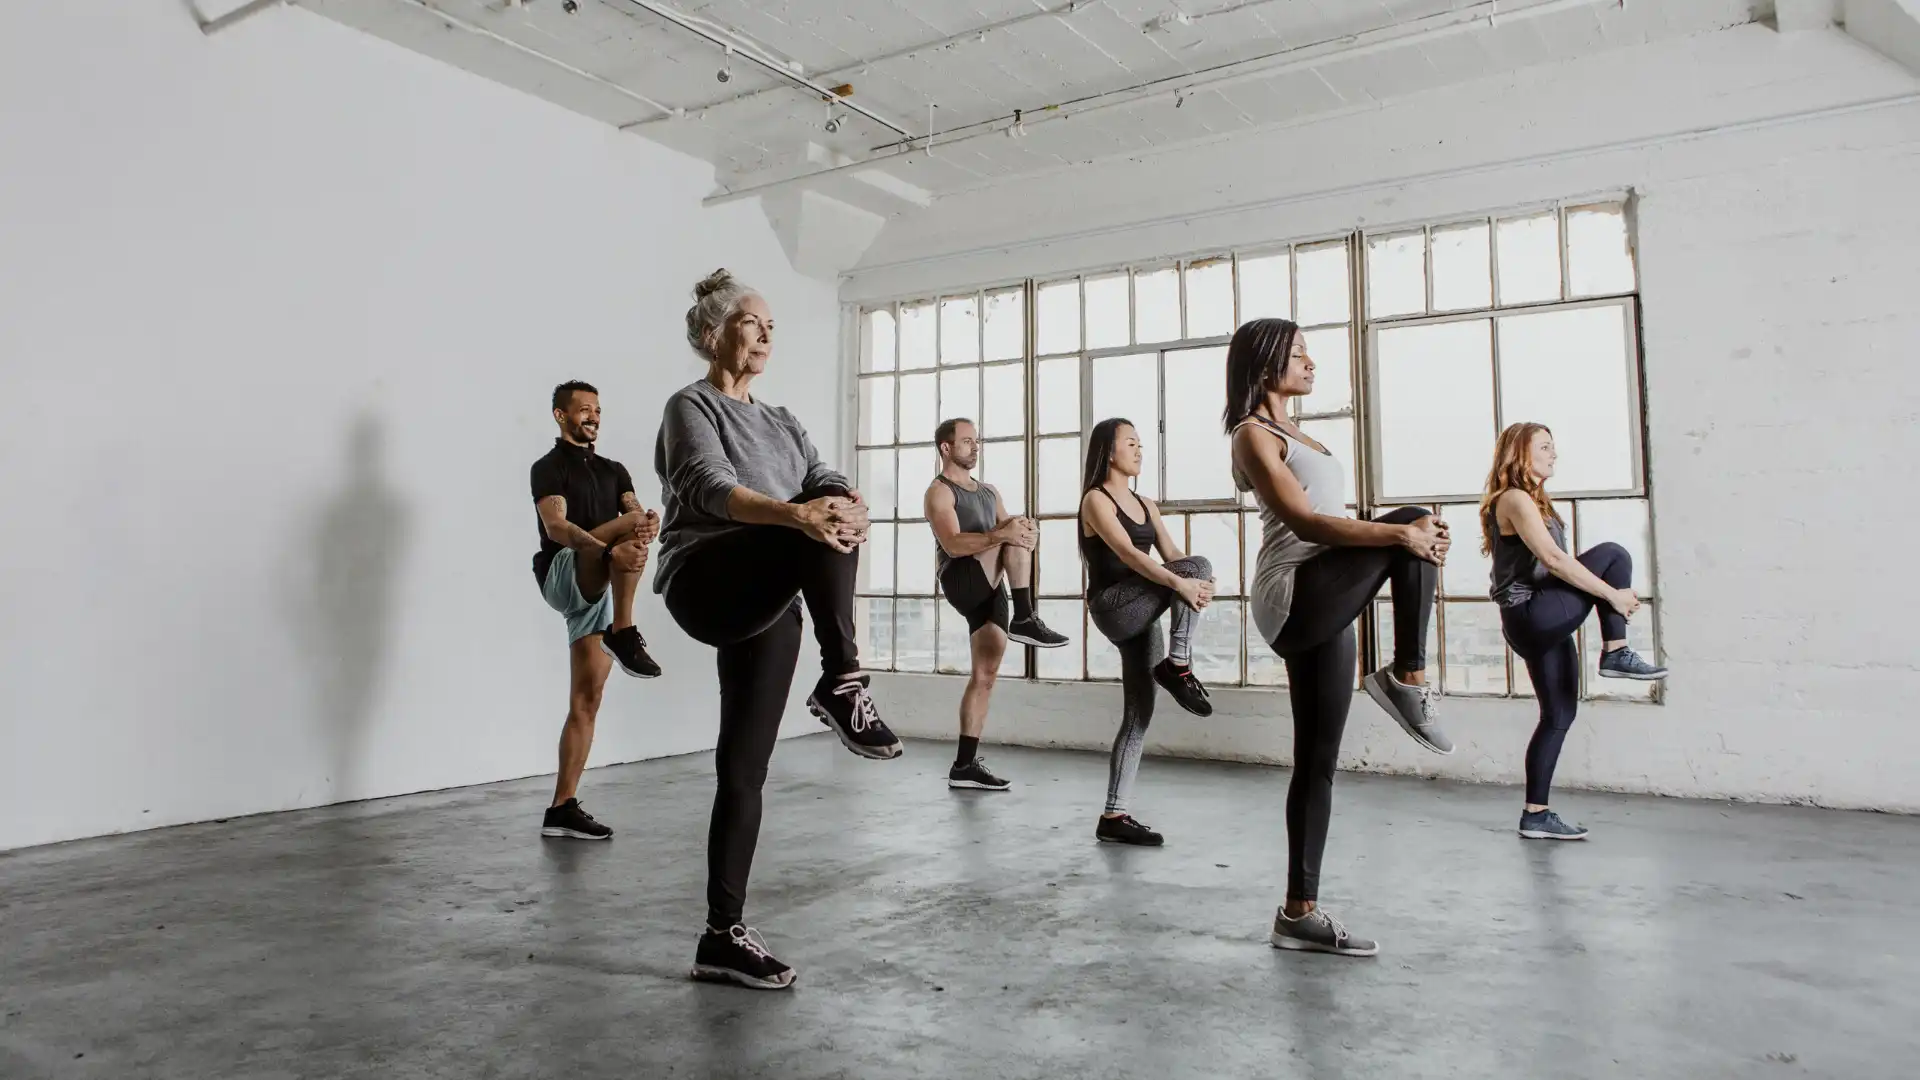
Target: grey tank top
(1516, 573)
(978, 511)
(1324, 480)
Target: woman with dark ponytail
(1318, 569)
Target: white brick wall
(1779, 270)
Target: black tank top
(1104, 566)
(1516, 572)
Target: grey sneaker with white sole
(1411, 707)
(1317, 931)
(1624, 663)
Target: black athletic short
(964, 583)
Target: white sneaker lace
(865, 713)
(750, 940)
(1339, 928)
(1427, 697)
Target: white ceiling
(1092, 79)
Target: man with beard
(979, 545)
(593, 548)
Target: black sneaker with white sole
(629, 650)
(845, 704)
(974, 776)
(1624, 663)
(1125, 830)
(1031, 631)
(739, 955)
(1183, 686)
(569, 820)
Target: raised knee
(1609, 550)
(1405, 515)
(1197, 567)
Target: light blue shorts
(562, 592)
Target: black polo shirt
(591, 484)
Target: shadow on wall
(343, 602)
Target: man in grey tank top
(978, 545)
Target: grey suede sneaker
(1546, 825)
(1317, 931)
(1411, 707)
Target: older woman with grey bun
(754, 525)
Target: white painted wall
(1779, 268)
(279, 314)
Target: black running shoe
(1031, 631)
(1125, 830)
(974, 775)
(739, 956)
(629, 650)
(569, 820)
(1183, 686)
(845, 705)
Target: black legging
(741, 595)
(1540, 628)
(1330, 591)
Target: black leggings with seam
(742, 594)
(1317, 643)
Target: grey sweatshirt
(709, 444)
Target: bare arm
(946, 526)
(1517, 510)
(553, 518)
(1258, 455)
(1101, 517)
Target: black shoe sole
(871, 753)
(622, 664)
(572, 834)
(715, 974)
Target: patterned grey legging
(1128, 614)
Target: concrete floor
(943, 935)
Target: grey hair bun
(715, 299)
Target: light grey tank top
(978, 511)
(1281, 550)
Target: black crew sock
(1023, 604)
(969, 749)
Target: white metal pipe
(752, 55)
(1269, 65)
(238, 15)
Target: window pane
(1476, 653)
(1623, 522)
(1337, 436)
(877, 483)
(1529, 254)
(1058, 315)
(1332, 354)
(913, 634)
(1264, 666)
(876, 411)
(877, 344)
(1216, 643)
(1325, 286)
(1568, 370)
(916, 336)
(1128, 386)
(1599, 256)
(1057, 404)
(1013, 662)
(1210, 298)
(1063, 662)
(1004, 465)
(960, 330)
(955, 652)
(1058, 573)
(1266, 287)
(1217, 537)
(1059, 476)
(1462, 267)
(873, 620)
(959, 397)
(1004, 401)
(918, 464)
(1642, 636)
(1435, 418)
(1176, 529)
(1467, 573)
(915, 574)
(1156, 305)
(1397, 274)
(1108, 321)
(1004, 326)
(876, 559)
(1199, 454)
(919, 413)
(1383, 641)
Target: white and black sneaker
(1031, 631)
(739, 955)
(974, 776)
(846, 705)
(569, 820)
